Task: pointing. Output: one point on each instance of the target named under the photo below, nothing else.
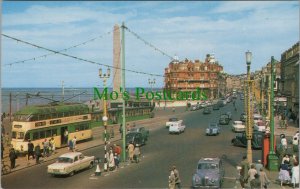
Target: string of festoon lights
(62, 50)
(78, 58)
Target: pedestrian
(172, 180)
(30, 148)
(74, 143)
(264, 181)
(252, 171)
(137, 154)
(111, 160)
(177, 178)
(284, 175)
(117, 160)
(283, 142)
(255, 183)
(52, 144)
(46, 148)
(130, 149)
(117, 150)
(285, 158)
(12, 156)
(296, 142)
(70, 143)
(66, 136)
(244, 172)
(295, 174)
(258, 166)
(38, 153)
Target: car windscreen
(207, 166)
(173, 119)
(64, 160)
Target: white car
(171, 121)
(69, 163)
(260, 126)
(176, 127)
(238, 126)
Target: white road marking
(93, 178)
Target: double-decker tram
(60, 121)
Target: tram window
(61, 114)
(48, 133)
(14, 134)
(54, 132)
(27, 136)
(35, 136)
(41, 117)
(85, 117)
(42, 134)
(20, 135)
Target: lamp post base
(272, 162)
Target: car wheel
(91, 165)
(71, 173)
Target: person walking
(252, 172)
(177, 178)
(46, 148)
(137, 154)
(74, 143)
(255, 183)
(258, 166)
(283, 142)
(52, 144)
(66, 136)
(130, 149)
(264, 181)
(30, 148)
(172, 180)
(70, 144)
(38, 153)
(111, 160)
(12, 156)
(295, 174)
(244, 172)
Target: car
(216, 107)
(209, 173)
(260, 126)
(224, 119)
(208, 103)
(238, 126)
(206, 110)
(70, 163)
(203, 105)
(229, 115)
(243, 117)
(172, 120)
(145, 132)
(136, 138)
(241, 140)
(220, 103)
(213, 129)
(176, 127)
(194, 108)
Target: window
(76, 159)
(81, 156)
(14, 134)
(48, 133)
(54, 132)
(39, 124)
(42, 134)
(85, 117)
(17, 126)
(55, 121)
(35, 136)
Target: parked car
(229, 115)
(243, 117)
(176, 127)
(224, 119)
(209, 173)
(216, 107)
(145, 132)
(241, 140)
(206, 110)
(69, 163)
(260, 126)
(172, 120)
(213, 129)
(238, 126)
(136, 138)
(194, 108)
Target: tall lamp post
(272, 158)
(248, 113)
(105, 76)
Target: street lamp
(248, 84)
(151, 83)
(105, 76)
(272, 158)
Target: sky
(189, 30)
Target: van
(176, 127)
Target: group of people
(174, 179)
(254, 174)
(113, 157)
(289, 170)
(72, 144)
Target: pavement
(152, 123)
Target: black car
(224, 119)
(216, 107)
(241, 140)
(143, 130)
(206, 110)
(243, 117)
(136, 138)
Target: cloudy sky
(189, 29)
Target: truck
(176, 127)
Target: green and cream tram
(38, 123)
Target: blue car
(213, 129)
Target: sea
(38, 96)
